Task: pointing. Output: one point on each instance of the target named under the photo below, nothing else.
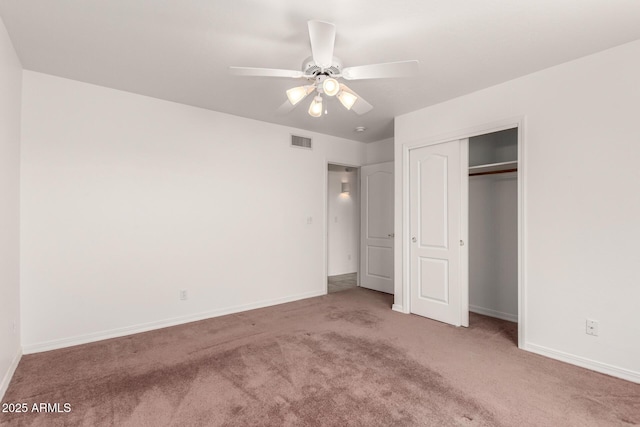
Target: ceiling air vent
(300, 141)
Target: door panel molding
(432, 279)
(433, 170)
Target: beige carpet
(336, 360)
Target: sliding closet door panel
(436, 222)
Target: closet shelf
(494, 168)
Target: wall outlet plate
(592, 327)
(183, 294)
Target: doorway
(464, 230)
(493, 224)
(343, 227)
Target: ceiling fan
(322, 71)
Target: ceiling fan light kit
(315, 109)
(330, 86)
(299, 93)
(347, 99)
(324, 70)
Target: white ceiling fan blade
(285, 108)
(323, 37)
(382, 71)
(361, 106)
(264, 72)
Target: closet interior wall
(493, 225)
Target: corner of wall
(10, 140)
(4, 385)
(379, 151)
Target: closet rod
(493, 172)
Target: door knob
(413, 239)
(391, 235)
(461, 242)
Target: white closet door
(376, 254)
(437, 190)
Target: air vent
(300, 141)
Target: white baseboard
(4, 385)
(398, 308)
(337, 273)
(145, 327)
(493, 313)
(583, 362)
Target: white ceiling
(180, 50)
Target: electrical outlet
(183, 294)
(14, 328)
(592, 327)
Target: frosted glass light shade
(330, 87)
(347, 99)
(297, 94)
(315, 109)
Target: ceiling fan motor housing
(311, 69)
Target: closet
(493, 224)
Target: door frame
(402, 301)
(325, 222)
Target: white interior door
(438, 185)
(376, 253)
